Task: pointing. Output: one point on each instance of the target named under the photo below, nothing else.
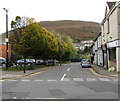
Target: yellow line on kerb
(22, 76)
(25, 76)
(93, 71)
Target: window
(112, 54)
(108, 26)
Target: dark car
(85, 63)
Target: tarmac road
(69, 81)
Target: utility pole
(6, 40)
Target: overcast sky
(51, 10)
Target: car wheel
(3, 65)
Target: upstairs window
(108, 26)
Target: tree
(34, 40)
(51, 48)
(70, 50)
(15, 36)
(66, 47)
(18, 26)
(18, 38)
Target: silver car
(28, 61)
(2, 62)
(85, 63)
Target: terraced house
(106, 48)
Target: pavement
(4, 75)
(100, 70)
(97, 70)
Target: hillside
(78, 30)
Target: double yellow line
(93, 71)
(29, 75)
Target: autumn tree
(66, 48)
(34, 41)
(70, 50)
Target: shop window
(112, 54)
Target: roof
(111, 4)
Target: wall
(118, 22)
(118, 58)
(3, 51)
(113, 24)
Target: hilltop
(78, 30)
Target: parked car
(28, 61)
(85, 63)
(21, 61)
(40, 62)
(2, 62)
(31, 60)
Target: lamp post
(6, 40)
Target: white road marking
(38, 80)
(66, 79)
(14, 97)
(12, 80)
(2, 80)
(25, 80)
(63, 77)
(115, 79)
(68, 69)
(45, 98)
(78, 79)
(51, 80)
(104, 79)
(92, 79)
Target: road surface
(68, 81)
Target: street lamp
(6, 40)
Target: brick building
(3, 47)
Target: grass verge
(20, 68)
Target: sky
(52, 10)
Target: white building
(108, 42)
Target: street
(68, 81)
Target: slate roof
(111, 4)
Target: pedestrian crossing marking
(25, 80)
(12, 80)
(104, 79)
(38, 80)
(51, 80)
(115, 79)
(78, 79)
(92, 79)
(67, 79)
